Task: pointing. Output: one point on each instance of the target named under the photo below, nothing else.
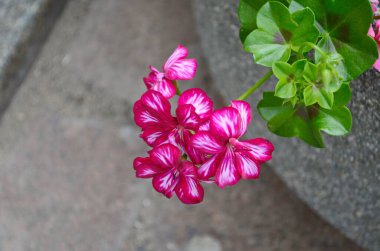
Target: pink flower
(170, 174)
(177, 67)
(152, 114)
(231, 159)
(375, 34)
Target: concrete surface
(67, 143)
(340, 182)
(24, 27)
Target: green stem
(177, 90)
(256, 85)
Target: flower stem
(256, 85)
(177, 90)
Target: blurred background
(70, 73)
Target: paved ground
(67, 144)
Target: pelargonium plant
(314, 49)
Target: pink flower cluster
(374, 32)
(197, 145)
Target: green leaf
(286, 89)
(311, 74)
(336, 122)
(303, 122)
(265, 51)
(247, 12)
(343, 95)
(314, 95)
(270, 106)
(286, 121)
(344, 26)
(279, 32)
(289, 76)
(306, 30)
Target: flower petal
(188, 169)
(145, 168)
(208, 169)
(166, 88)
(187, 117)
(141, 160)
(179, 68)
(259, 149)
(165, 183)
(377, 65)
(179, 53)
(153, 110)
(184, 69)
(207, 143)
(205, 126)
(175, 138)
(153, 78)
(247, 167)
(156, 102)
(166, 156)
(202, 103)
(374, 4)
(377, 25)
(142, 116)
(194, 154)
(227, 173)
(226, 123)
(189, 190)
(244, 110)
(371, 32)
(155, 135)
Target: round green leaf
(279, 32)
(336, 122)
(247, 12)
(344, 26)
(265, 51)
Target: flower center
(231, 143)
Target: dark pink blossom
(170, 174)
(153, 114)
(230, 158)
(177, 67)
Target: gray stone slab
(67, 143)
(24, 27)
(341, 182)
